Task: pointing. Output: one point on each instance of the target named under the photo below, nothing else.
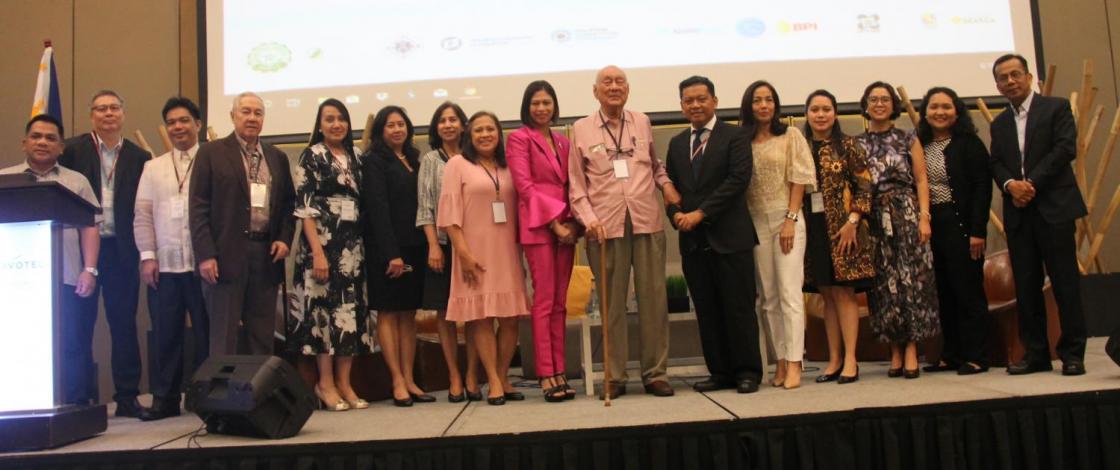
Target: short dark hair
(1006, 57)
(896, 102)
(532, 89)
(377, 135)
(696, 80)
(181, 102)
(746, 116)
(106, 92)
(836, 135)
(471, 154)
(47, 118)
(434, 140)
(317, 133)
(963, 125)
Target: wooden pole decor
(366, 133)
(1047, 86)
(210, 134)
(140, 140)
(166, 138)
(992, 217)
(910, 111)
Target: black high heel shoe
(553, 394)
(912, 373)
(461, 397)
(569, 392)
(496, 401)
(894, 373)
(421, 398)
(831, 377)
(847, 380)
(473, 396)
(407, 402)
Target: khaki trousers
(646, 254)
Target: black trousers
(248, 300)
(78, 318)
(176, 294)
(1032, 244)
(118, 285)
(723, 292)
(960, 289)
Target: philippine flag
(47, 100)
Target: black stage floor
(940, 420)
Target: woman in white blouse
(783, 170)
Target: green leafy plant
(675, 287)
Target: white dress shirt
(161, 224)
(107, 156)
(1020, 113)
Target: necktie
(697, 154)
(254, 165)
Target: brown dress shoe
(617, 390)
(659, 388)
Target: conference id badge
(621, 169)
(347, 210)
(178, 206)
(107, 196)
(258, 195)
(499, 209)
(816, 202)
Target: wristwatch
(791, 215)
(853, 219)
(92, 271)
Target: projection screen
(482, 53)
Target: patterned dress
(331, 317)
(845, 187)
(903, 302)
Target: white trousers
(779, 277)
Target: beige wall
(138, 48)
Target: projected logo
(382, 96)
(561, 35)
(404, 47)
(971, 20)
(451, 43)
(269, 57)
(867, 23)
(750, 27)
(786, 27)
(929, 19)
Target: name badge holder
(816, 202)
(498, 207)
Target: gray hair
(105, 92)
(244, 94)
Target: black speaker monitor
(257, 396)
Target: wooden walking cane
(604, 307)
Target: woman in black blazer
(396, 250)
(960, 196)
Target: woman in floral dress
(330, 322)
(903, 301)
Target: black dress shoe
(1073, 368)
(1027, 367)
(943, 366)
(160, 409)
(712, 384)
(128, 408)
(830, 377)
(421, 398)
(971, 368)
(474, 396)
(844, 379)
(747, 386)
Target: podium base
(31, 430)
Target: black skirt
(818, 246)
(402, 293)
(437, 286)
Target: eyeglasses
(1014, 75)
(879, 99)
(116, 108)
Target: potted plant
(677, 292)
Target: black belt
(258, 236)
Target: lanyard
(495, 179)
(101, 158)
(346, 170)
(621, 128)
(703, 143)
(175, 165)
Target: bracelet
(791, 215)
(924, 215)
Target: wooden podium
(32, 218)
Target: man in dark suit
(113, 165)
(710, 164)
(1033, 143)
(241, 202)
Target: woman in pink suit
(547, 231)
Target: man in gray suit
(241, 202)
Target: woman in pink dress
(477, 209)
(547, 231)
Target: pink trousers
(550, 265)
